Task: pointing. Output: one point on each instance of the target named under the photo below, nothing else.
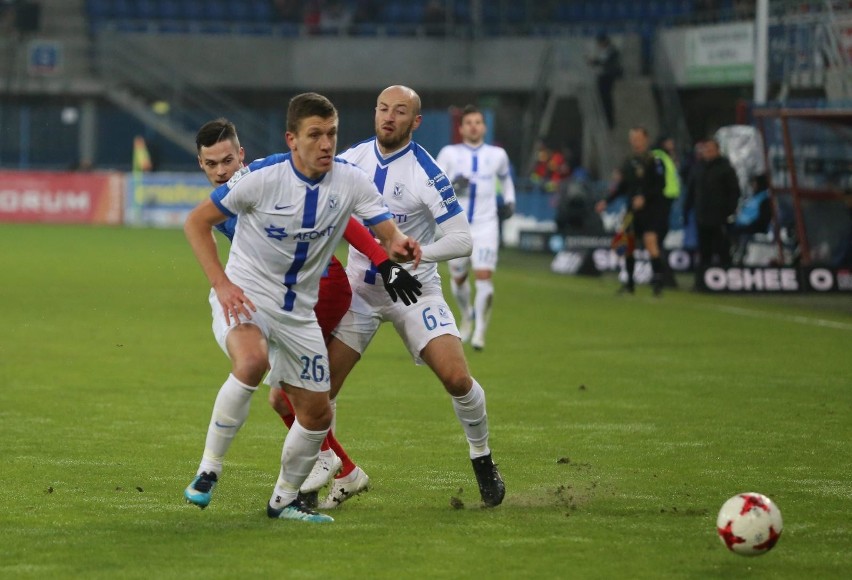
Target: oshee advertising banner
(777, 280)
(163, 199)
(61, 197)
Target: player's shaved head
(401, 92)
(397, 116)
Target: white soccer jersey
(289, 226)
(483, 166)
(416, 191)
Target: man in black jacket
(643, 178)
(714, 196)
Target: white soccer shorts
(416, 324)
(297, 352)
(486, 243)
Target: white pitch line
(789, 318)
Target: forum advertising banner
(61, 197)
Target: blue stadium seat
(461, 11)
(490, 12)
(193, 10)
(147, 10)
(99, 9)
(261, 11)
(169, 10)
(239, 11)
(123, 9)
(218, 11)
(570, 12)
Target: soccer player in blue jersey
(481, 167)
(421, 199)
(293, 209)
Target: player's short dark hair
(308, 105)
(215, 131)
(640, 129)
(470, 110)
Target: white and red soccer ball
(749, 524)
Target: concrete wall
(323, 63)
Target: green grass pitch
(620, 425)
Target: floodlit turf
(620, 425)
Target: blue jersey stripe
(379, 178)
(309, 218)
(292, 274)
(473, 169)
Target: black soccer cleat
(491, 486)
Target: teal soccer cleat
(200, 490)
(295, 510)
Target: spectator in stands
(289, 10)
(366, 12)
(311, 15)
(435, 18)
(714, 195)
(607, 62)
(335, 17)
(551, 167)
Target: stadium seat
(169, 11)
(261, 11)
(147, 10)
(99, 9)
(218, 11)
(193, 10)
(239, 11)
(123, 9)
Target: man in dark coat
(714, 196)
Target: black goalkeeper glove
(399, 283)
(505, 211)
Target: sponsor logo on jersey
(275, 233)
(435, 179)
(242, 171)
(400, 218)
(313, 234)
(449, 201)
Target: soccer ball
(749, 524)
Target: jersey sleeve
(438, 194)
(237, 195)
(362, 240)
(445, 160)
(504, 174)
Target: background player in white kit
(293, 210)
(421, 199)
(476, 169)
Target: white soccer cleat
(327, 465)
(345, 488)
(466, 328)
(477, 342)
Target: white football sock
(470, 410)
(462, 295)
(300, 452)
(229, 413)
(482, 306)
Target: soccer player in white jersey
(476, 169)
(293, 209)
(421, 199)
